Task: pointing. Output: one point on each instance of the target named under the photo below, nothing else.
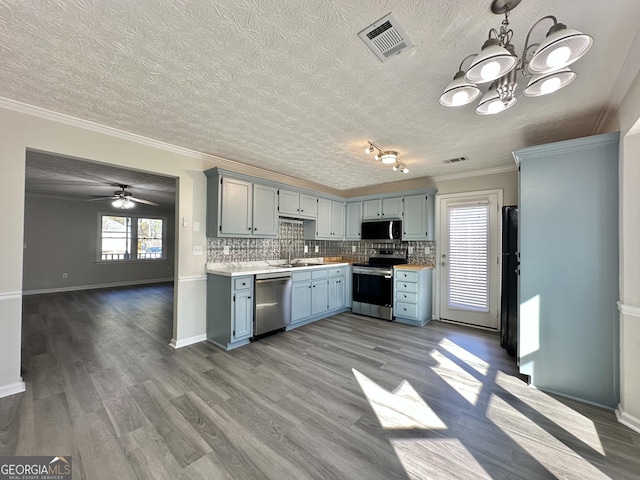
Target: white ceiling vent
(386, 38)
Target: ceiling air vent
(456, 160)
(386, 38)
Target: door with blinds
(468, 258)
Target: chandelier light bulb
(558, 57)
(490, 71)
(496, 106)
(550, 85)
(460, 98)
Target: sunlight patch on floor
(436, 458)
(466, 356)
(457, 377)
(403, 408)
(573, 422)
(561, 460)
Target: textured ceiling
(48, 174)
(287, 84)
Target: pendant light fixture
(387, 157)
(545, 64)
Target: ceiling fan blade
(97, 199)
(146, 202)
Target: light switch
(226, 250)
(196, 226)
(184, 222)
(198, 250)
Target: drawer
(242, 283)
(410, 287)
(301, 276)
(406, 310)
(406, 275)
(338, 271)
(406, 297)
(316, 274)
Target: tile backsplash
(290, 244)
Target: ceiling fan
(124, 199)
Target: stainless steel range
(373, 283)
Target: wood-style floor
(345, 398)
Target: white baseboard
(96, 286)
(629, 420)
(12, 389)
(187, 341)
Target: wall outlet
(427, 250)
(226, 250)
(64, 275)
(317, 248)
(198, 250)
(306, 249)
(353, 249)
(184, 222)
(410, 250)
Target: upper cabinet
(417, 220)
(238, 208)
(329, 224)
(296, 204)
(353, 225)
(379, 208)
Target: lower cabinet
(317, 293)
(229, 310)
(412, 296)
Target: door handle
(444, 264)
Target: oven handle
(373, 273)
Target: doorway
(468, 258)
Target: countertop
(410, 266)
(275, 266)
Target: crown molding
(566, 146)
(239, 167)
(474, 173)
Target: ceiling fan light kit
(386, 157)
(498, 63)
(124, 200)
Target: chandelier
(544, 64)
(387, 157)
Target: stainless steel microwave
(382, 230)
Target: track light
(498, 63)
(387, 157)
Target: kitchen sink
(296, 265)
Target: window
(126, 238)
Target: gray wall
(61, 236)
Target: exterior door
(468, 258)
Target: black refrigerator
(510, 272)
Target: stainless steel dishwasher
(272, 303)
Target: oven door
(373, 286)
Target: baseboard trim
(12, 389)
(96, 286)
(627, 420)
(195, 278)
(570, 397)
(187, 341)
(10, 296)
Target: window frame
(133, 239)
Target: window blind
(468, 281)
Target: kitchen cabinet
(288, 202)
(229, 310)
(300, 296)
(329, 224)
(353, 224)
(568, 320)
(297, 204)
(379, 208)
(319, 292)
(240, 208)
(337, 286)
(412, 290)
(418, 217)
